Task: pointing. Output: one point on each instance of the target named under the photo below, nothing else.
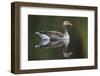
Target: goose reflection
(55, 39)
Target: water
(77, 47)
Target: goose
(53, 39)
(55, 35)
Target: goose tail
(42, 36)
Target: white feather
(42, 36)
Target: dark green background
(78, 34)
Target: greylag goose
(55, 35)
(53, 39)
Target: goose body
(51, 35)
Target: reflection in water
(55, 44)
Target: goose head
(66, 24)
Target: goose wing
(53, 34)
